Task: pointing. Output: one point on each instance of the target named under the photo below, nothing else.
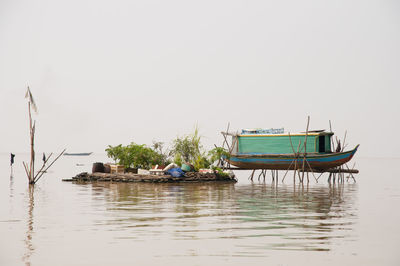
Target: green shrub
(134, 155)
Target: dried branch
(44, 171)
(44, 164)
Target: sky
(114, 72)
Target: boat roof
(320, 132)
(310, 133)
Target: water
(61, 223)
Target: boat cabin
(278, 142)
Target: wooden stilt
(305, 147)
(350, 173)
(287, 171)
(252, 175)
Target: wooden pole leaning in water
(252, 175)
(44, 171)
(295, 164)
(305, 148)
(32, 141)
(30, 170)
(332, 142)
(296, 156)
(44, 164)
(350, 171)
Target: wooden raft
(129, 177)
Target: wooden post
(311, 171)
(30, 170)
(287, 170)
(252, 175)
(295, 163)
(332, 142)
(259, 176)
(44, 171)
(305, 147)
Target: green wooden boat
(284, 151)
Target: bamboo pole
(31, 142)
(225, 141)
(320, 176)
(26, 170)
(350, 173)
(295, 163)
(259, 176)
(294, 160)
(311, 171)
(252, 175)
(44, 163)
(305, 147)
(332, 142)
(287, 170)
(291, 143)
(37, 179)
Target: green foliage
(186, 149)
(220, 172)
(201, 162)
(218, 153)
(116, 153)
(134, 155)
(158, 147)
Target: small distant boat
(78, 154)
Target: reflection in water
(11, 184)
(263, 217)
(29, 233)
(297, 217)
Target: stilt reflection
(29, 232)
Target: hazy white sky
(111, 72)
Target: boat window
(321, 141)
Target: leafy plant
(158, 147)
(218, 154)
(220, 172)
(117, 153)
(134, 155)
(188, 149)
(201, 162)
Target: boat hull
(317, 162)
(78, 154)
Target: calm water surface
(62, 223)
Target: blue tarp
(176, 172)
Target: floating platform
(129, 177)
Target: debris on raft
(130, 177)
